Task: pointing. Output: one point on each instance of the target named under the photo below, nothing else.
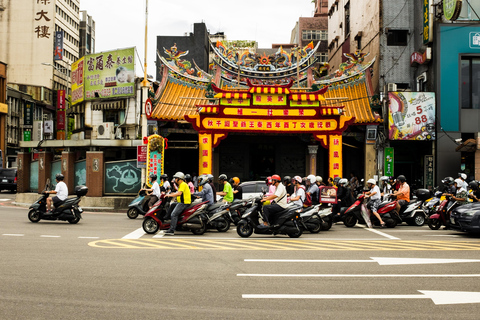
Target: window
(314, 35)
(470, 82)
(322, 56)
(347, 19)
(397, 37)
(115, 116)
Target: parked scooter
(192, 219)
(68, 210)
(217, 216)
(413, 214)
(288, 221)
(316, 218)
(439, 216)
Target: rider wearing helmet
(280, 197)
(298, 197)
(463, 177)
(344, 196)
(207, 193)
(319, 181)
(287, 182)
(312, 189)
(474, 191)
(164, 184)
(188, 180)
(214, 190)
(271, 187)
(385, 187)
(154, 191)
(237, 189)
(61, 191)
(374, 195)
(227, 192)
(403, 193)
(184, 199)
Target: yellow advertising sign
(269, 100)
(205, 156)
(235, 102)
(269, 112)
(77, 81)
(335, 155)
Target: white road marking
(383, 261)
(137, 234)
(160, 234)
(88, 237)
(443, 235)
(383, 234)
(5, 199)
(13, 234)
(49, 236)
(438, 297)
(292, 275)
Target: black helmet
(153, 176)
(188, 177)
(59, 177)
(164, 177)
(222, 177)
(473, 185)
(401, 178)
(287, 179)
(448, 181)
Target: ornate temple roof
(183, 90)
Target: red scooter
(192, 219)
(441, 215)
(355, 213)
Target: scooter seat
(214, 206)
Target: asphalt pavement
(105, 267)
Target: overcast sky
(121, 23)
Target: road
(106, 268)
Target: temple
(256, 114)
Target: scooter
(217, 216)
(192, 219)
(441, 215)
(288, 221)
(355, 214)
(68, 210)
(139, 205)
(413, 214)
(316, 218)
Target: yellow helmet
(236, 180)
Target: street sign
(388, 164)
(148, 108)
(141, 156)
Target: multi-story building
(87, 34)
(38, 41)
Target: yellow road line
(287, 245)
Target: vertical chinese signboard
(58, 54)
(61, 115)
(110, 74)
(335, 152)
(77, 80)
(429, 172)
(141, 156)
(388, 163)
(155, 159)
(427, 22)
(28, 115)
(43, 19)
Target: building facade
(87, 34)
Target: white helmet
(459, 182)
(384, 178)
(311, 178)
(372, 181)
(343, 182)
(319, 179)
(463, 176)
(179, 175)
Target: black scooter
(287, 222)
(68, 210)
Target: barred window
(314, 35)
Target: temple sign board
(270, 109)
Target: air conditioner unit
(106, 130)
(392, 87)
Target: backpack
(308, 198)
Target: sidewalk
(94, 204)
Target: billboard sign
(58, 54)
(411, 116)
(28, 114)
(451, 9)
(388, 162)
(110, 74)
(78, 68)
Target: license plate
(4, 180)
(452, 220)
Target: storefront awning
(467, 146)
(109, 105)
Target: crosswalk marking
(282, 244)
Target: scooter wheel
(34, 215)
(391, 223)
(434, 224)
(350, 221)
(199, 232)
(132, 213)
(150, 226)
(244, 230)
(74, 220)
(418, 219)
(296, 234)
(318, 226)
(224, 228)
(327, 225)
